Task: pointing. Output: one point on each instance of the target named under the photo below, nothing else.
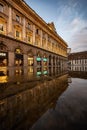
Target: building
(26, 39)
(78, 61)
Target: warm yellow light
(3, 79)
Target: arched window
(18, 32)
(1, 8)
(1, 27)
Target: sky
(69, 17)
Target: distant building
(78, 61)
(26, 39)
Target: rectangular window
(1, 27)
(17, 34)
(29, 39)
(29, 26)
(37, 31)
(1, 8)
(17, 18)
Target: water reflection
(70, 111)
(48, 99)
(20, 74)
(3, 75)
(20, 109)
(78, 72)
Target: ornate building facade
(26, 39)
(78, 61)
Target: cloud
(72, 27)
(78, 41)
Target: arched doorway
(18, 57)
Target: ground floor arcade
(16, 53)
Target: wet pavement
(52, 101)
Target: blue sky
(69, 17)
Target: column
(35, 61)
(10, 22)
(11, 58)
(25, 60)
(35, 65)
(24, 32)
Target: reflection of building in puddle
(69, 79)
(78, 74)
(78, 71)
(24, 74)
(30, 70)
(78, 68)
(3, 79)
(18, 71)
(39, 72)
(3, 75)
(32, 102)
(45, 71)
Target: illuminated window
(17, 18)
(1, 27)
(1, 8)
(17, 34)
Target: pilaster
(11, 59)
(33, 34)
(24, 31)
(10, 22)
(25, 60)
(41, 38)
(35, 61)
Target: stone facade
(34, 101)
(26, 39)
(78, 61)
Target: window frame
(1, 7)
(17, 18)
(2, 27)
(17, 34)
